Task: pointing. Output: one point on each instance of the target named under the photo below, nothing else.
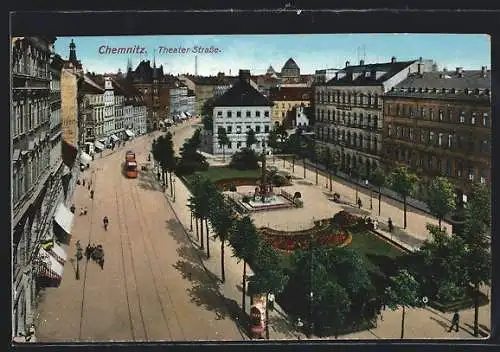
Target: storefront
(63, 223)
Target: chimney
(347, 63)
(244, 76)
(483, 71)
(361, 62)
(421, 69)
(459, 71)
(393, 59)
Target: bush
(195, 162)
(232, 188)
(245, 199)
(298, 203)
(279, 181)
(245, 159)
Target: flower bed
(243, 181)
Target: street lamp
(191, 213)
(367, 183)
(173, 188)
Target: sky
(229, 53)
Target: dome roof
(290, 64)
(271, 70)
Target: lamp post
(191, 223)
(173, 188)
(367, 183)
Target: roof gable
(242, 94)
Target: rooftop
(369, 74)
(290, 64)
(290, 93)
(242, 94)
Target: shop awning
(16, 154)
(48, 266)
(85, 158)
(64, 218)
(66, 170)
(103, 140)
(59, 253)
(114, 137)
(99, 145)
(129, 133)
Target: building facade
(349, 114)
(240, 109)
(439, 124)
(182, 101)
(154, 86)
(285, 101)
(37, 173)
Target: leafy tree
(476, 264)
(332, 307)
(331, 163)
(190, 160)
(164, 154)
(244, 159)
(378, 180)
(251, 139)
(223, 140)
(245, 242)
(272, 141)
(441, 200)
(207, 114)
(404, 183)
(403, 291)
(221, 218)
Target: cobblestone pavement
(153, 286)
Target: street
(152, 283)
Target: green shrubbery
(245, 159)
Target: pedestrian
(91, 194)
(88, 251)
(158, 175)
(82, 211)
(105, 222)
(391, 226)
(83, 183)
(73, 208)
(455, 321)
(85, 210)
(375, 224)
(101, 262)
(359, 203)
(270, 299)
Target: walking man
(88, 252)
(391, 226)
(455, 321)
(91, 194)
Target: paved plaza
(157, 285)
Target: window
(248, 113)
(219, 113)
(257, 129)
(229, 129)
(450, 138)
(266, 113)
(440, 139)
(431, 137)
(229, 114)
(412, 111)
(411, 133)
(238, 129)
(238, 113)
(398, 110)
(473, 118)
(266, 129)
(257, 113)
(441, 113)
(398, 131)
(431, 114)
(238, 144)
(471, 174)
(423, 112)
(462, 116)
(485, 146)
(486, 122)
(429, 162)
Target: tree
(170, 159)
(164, 154)
(378, 180)
(332, 306)
(223, 140)
(403, 291)
(207, 114)
(272, 141)
(441, 200)
(251, 139)
(244, 159)
(355, 173)
(190, 160)
(245, 241)
(331, 163)
(221, 217)
(476, 265)
(404, 183)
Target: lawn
(220, 173)
(369, 243)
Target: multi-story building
(206, 88)
(439, 124)
(155, 86)
(93, 112)
(348, 116)
(285, 99)
(181, 102)
(241, 108)
(323, 76)
(290, 71)
(36, 173)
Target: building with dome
(290, 71)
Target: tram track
(125, 236)
(140, 210)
